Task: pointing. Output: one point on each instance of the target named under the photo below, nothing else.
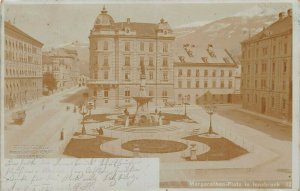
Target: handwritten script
(80, 174)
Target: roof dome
(104, 19)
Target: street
(42, 127)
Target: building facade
(23, 67)
(202, 75)
(63, 63)
(267, 69)
(121, 51)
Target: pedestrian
(62, 135)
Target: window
(127, 46)
(197, 84)
(284, 67)
(151, 92)
(222, 84)
(273, 101)
(197, 73)
(273, 67)
(265, 51)
(165, 61)
(105, 62)
(105, 75)
(188, 73)
(165, 76)
(164, 93)
(151, 75)
(230, 73)
(105, 46)
(179, 84)
(230, 84)
(256, 68)
(222, 73)
(205, 84)
(214, 73)
(150, 47)
(285, 48)
(127, 93)
(165, 47)
(274, 50)
(205, 72)
(141, 46)
(141, 60)
(214, 84)
(188, 84)
(179, 72)
(150, 61)
(283, 103)
(127, 60)
(127, 76)
(106, 93)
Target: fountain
(142, 115)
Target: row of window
(206, 84)
(127, 46)
(20, 46)
(127, 77)
(265, 51)
(263, 67)
(13, 72)
(263, 84)
(127, 93)
(272, 102)
(213, 73)
(10, 56)
(142, 61)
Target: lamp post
(210, 109)
(83, 112)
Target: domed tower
(102, 57)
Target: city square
(207, 111)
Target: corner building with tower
(120, 52)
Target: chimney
(281, 15)
(290, 12)
(128, 20)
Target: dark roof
(199, 55)
(278, 27)
(142, 29)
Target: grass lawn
(154, 146)
(88, 148)
(220, 149)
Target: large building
(121, 51)
(267, 69)
(205, 74)
(23, 67)
(64, 64)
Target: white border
(295, 64)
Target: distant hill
(230, 31)
(83, 55)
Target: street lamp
(83, 111)
(210, 109)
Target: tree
(49, 81)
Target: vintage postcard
(149, 95)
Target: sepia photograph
(205, 88)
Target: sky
(59, 24)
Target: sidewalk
(284, 122)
